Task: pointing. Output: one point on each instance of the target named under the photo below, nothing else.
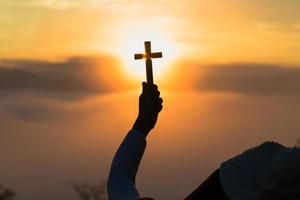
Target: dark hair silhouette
(6, 194)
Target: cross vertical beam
(148, 55)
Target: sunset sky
(69, 87)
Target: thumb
(144, 85)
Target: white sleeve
(124, 167)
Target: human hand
(150, 104)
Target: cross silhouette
(148, 55)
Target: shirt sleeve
(124, 167)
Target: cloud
(57, 4)
(249, 78)
(96, 75)
(33, 112)
(68, 4)
(74, 75)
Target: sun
(133, 42)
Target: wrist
(141, 126)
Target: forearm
(121, 181)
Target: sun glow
(134, 43)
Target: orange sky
(229, 76)
(206, 30)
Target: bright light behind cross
(134, 39)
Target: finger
(150, 88)
(157, 93)
(159, 108)
(154, 87)
(142, 96)
(158, 104)
(160, 100)
(144, 85)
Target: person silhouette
(269, 171)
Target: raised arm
(121, 181)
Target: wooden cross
(148, 55)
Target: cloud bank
(77, 74)
(87, 75)
(249, 78)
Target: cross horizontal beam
(148, 54)
(156, 55)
